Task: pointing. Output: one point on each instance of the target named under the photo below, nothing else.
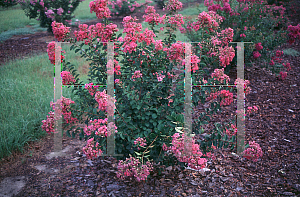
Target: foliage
(48, 11)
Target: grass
(27, 89)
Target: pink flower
(174, 5)
(60, 11)
(258, 46)
(272, 63)
(219, 75)
(137, 74)
(283, 75)
(242, 35)
(60, 31)
(279, 53)
(253, 152)
(256, 54)
(67, 78)
(226, 55)
(100, 8)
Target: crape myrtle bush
(149, 109)
(249, 21)
(8, 3)
(47, 11)
(126, 7)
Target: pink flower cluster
(176, 51)
(160, 77)
(176, 20)
(90, 150)
(51, 52)
(226, 95)
(60, 11)
(141, 142)
(194, 160)
(133, 168)
(219, 75)
(194, 63)
(131, 28)
(59, 31)
(48, 124)
(65, 106)
(294, 33)
(283, 75)
(287, 66)
(252, 109)
(67, 78)
(99, 30)
(210, 20)
(137, 74)
(50, 14)
(105, 102)
(256, 54)
(99, 129)
(174, 5)
(258, 46)
(226, 55)
(152, 17)
(100, 8)
(226, 36)
(253, 152)
(246, 83)
(92, 89)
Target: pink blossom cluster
(91, 150)
(160, 77)
(59, 31)
(226, 55)
(252, 109)
(158, 45)
(176, 20)
(101, 98)
(92, 89)
(258, 46)
(210, 20)
(256, 54)
(287, 66)
(48, 124)
(60, 11)
(194, 160)
(113, 64)
(253, 152)
(137, 74)
(51, 52)
(229, 132)
(219, 75)
(99, 30)
(152, 17)
(65, 106)
(226, 36)
(133, 168)
(226, 95)
(283, 75)
(174, 5)
(50, 14)
(294, 33)
(130, 28)
(194, 63)
(98, 127)
(100, 8)
(67, 78)
(176, 51)
(140, 142)
(246, 85)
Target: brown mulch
(275, 127)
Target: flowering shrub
(250, 21)
(47, 11)
(8, 3)
(147, 110)
(125, 7)
(253, 152)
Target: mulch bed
(275, 127)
